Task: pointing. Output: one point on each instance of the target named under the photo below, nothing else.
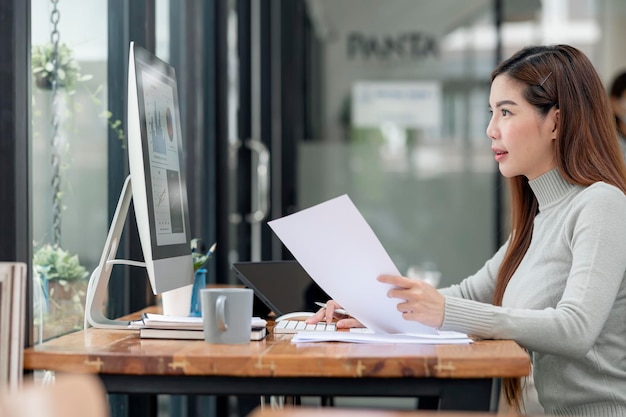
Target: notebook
(282, 286)
(159, 326)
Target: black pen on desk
(337, 310)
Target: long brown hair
(586, 149)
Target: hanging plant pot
(43, 82)
(50, 62)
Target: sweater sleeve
(595, 235)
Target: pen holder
(199, 283)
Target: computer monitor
(156, 185)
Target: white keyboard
(295, 326)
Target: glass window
(70, 124)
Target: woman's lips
(499, 154)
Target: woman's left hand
(419, 301)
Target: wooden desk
(359, 412)
(460, 375)
(355, 412)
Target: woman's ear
(555, 114)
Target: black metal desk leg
(427, 403)
(467, 395)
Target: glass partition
(403, 108)
(69, 157)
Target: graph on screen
(164, 162)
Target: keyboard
(295, 326)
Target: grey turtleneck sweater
(566, 303)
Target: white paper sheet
(447, 338)
(339, 250)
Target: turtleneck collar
(550, 187)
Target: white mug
(226, 314)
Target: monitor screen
(156, 161)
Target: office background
(282, 105)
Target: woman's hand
(419, 301)
(328, 313)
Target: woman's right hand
(329, 314)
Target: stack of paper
(159, 326)
(371, 337)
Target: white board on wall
(407, 104)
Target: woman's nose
(491, 130)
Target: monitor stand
(97, 289)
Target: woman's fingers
(397, 280)
(325, 313)
(349, 323)
(417, 300)
(320, 315)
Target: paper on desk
(160, 321)
(448, 338)
(339, 250)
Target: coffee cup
(226, 315)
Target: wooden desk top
(358, 412)
(123, 352)
(355, 412)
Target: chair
(70, 395)
(12, 313)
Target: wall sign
(407, 104)
(404, 46)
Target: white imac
(156, 185)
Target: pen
(199, 260)
(211, 250)
(337, 310)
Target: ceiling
(331, 17)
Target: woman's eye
(505, 112)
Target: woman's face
(521, 139)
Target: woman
(557, 285)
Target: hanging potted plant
(68, 76)
(68, 71)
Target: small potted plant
(63, 282)
(199, 260)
